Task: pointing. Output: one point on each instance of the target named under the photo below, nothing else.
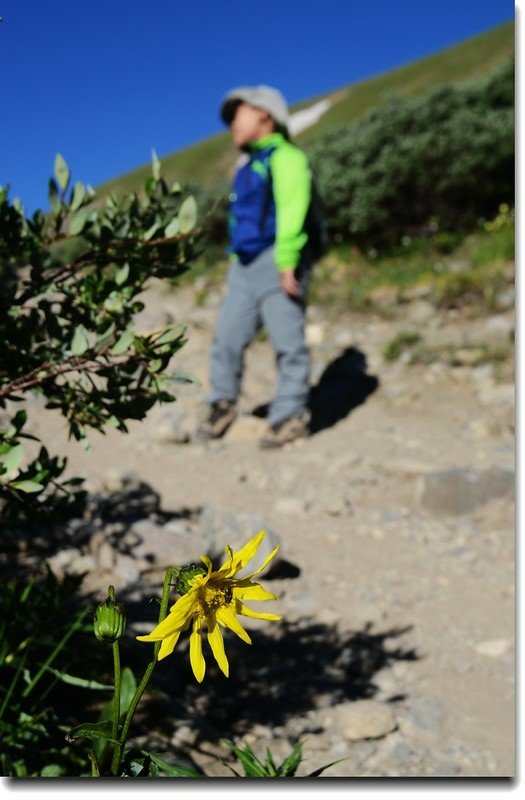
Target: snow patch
(307, 117)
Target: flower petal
(265, 562)
(197, 661)
(246, 553)
(247, 612)
(168, 645)
(216, 641)
(205, 560)
(176, 620)
(227, 566)
(226, 617)
(246, 590)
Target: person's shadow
(343, 385)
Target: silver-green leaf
(62, 173)
(79, 342)
(188, 215)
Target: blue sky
(106, 81)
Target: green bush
(72, 282)
(436, 162)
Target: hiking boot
(286, 431)
(222, 414)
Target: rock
(315, 333)
(334, 503)
(246, 429)
(221, 526)
(61, 561)
(115, 480)
(461, 491)
(497, 330)
(362, 719)
(502, 395)
(495, 648)
(506, 300)
(172, 429)
(136, 500)
(384, 296)
(420, 311)
(126, 571)
(165, 545)
(291, 505)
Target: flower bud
(110, 620)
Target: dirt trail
(413, 588)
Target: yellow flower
(212, 601)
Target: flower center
(213, 597)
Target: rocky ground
(395, 657)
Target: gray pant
(254, 298)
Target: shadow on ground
(287, 672)
(343, 385)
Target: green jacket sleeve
(291, 191)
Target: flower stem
(139, 691)
(116, 695)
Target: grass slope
(210, 160)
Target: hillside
(208, 161)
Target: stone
(221, 526)
(246, 429)
(363, 719)
(115, 480)
(61, 561)
(497, 330)
(172, 429)
(420, 311)
(136, 500)
(315, 333)
(495, 648)
(291, 505)
(502, 395)
(461, 491)
(165, 545)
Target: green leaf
(92, 730)
(73, 680)
(320, 770)
(122, 274)
(78, 222)
(52, 771)
(52, 194)
(79, 342)
(153, 229)
(290, 764)
(113, 302)
(183, 376)
(188, 215)
(78, 195)
(123, 343)
(12, 458)
(170, 334)
(175, 771)
(66, 251)
(61, 172)
(26, 486)
(172, 228)
(155, 165)
(128, 687)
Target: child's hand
(289, 283)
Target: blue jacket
(269, 202)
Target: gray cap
(259, 96)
